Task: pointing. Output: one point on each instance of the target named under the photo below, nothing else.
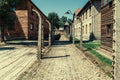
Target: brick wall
(33, 21)
(27, 22)
(20, 29)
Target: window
(31, 26)
(90, 27)
(109, 30)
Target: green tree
(54, 19)
(62, 21)
(7, 16)
(69, 21)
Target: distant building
(67, 29)
(61, 29)
(91, 19)
(27, 22)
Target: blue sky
(59, 6)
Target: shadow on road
(50, 57)
(62, 43)
(7, 48)
(26, 43)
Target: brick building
(107, 24)
(26, 23)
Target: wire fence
(117, 31)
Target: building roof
(77, 11)
(86, 5)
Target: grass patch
(101, 61)
(90, 46)
(102, 58)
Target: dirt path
(64, 62)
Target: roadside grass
(100, 60)
(91, 46)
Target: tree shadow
(7, 48)
(61, 43)
(25, 43)
(91, 38)
(50, 57)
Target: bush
(57, 36)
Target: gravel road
(64, 62)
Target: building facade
(76, 24)
(90, 19)
(27, 22)
(107, 24)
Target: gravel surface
(15, 59)
(64, 62)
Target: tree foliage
(7, 15)
(54, 19)
(69, 21)
(57, 22)
(62, 21)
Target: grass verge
(101, 61)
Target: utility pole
(39, 56)
(73, 33)
(49, 33)
(81, 31)
(81, 34)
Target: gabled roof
(77, 11)
(86, 5)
